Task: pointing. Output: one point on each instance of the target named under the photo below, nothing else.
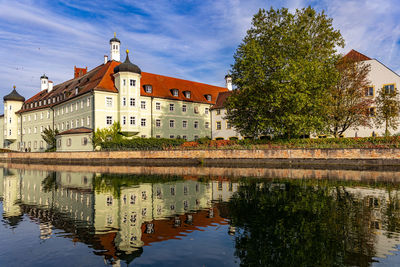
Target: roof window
(208, 97)
(148, 88)
(187, 94)
(175, 92)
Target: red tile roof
(77, 131)
(356, 56)
(221, 99)
(101, 79)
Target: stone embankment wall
(355, 157)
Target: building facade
(145, 104)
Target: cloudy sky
(189, 39)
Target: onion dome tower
(127, 66)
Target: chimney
(228, 82)
(105, 59)
(50, 86)
(44, 82)
(78, 72)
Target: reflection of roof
(77, 131)
(222, 96)
(165, 229)
(356, 56)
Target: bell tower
(115, 51)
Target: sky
(188, 39)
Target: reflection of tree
(50, 182)
(392, 213)
(300, 223)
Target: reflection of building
(116, 221)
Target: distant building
(145, 104)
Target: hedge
(142, 144)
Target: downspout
(93, 117)
(211, 122)
(151, 117)
(20, 147)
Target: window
(77, 123)
(84, 141)
(82, 122)
(175, 92)
(228, 125)
(184, 124)
(158, 123)
(196, 137)
(218, 112)
(109, 200)
(219, 125)
(124, 101)
(143, 104)
(371, 112)
(9, 133)
(171, 136)
(69, 142)
(206, 111)
(133, 199)
(148, 88)
(389, 88)
(158, 106)
(10, 107)
(184, 108)
(132, 121)
(41, 115)
(124, 82)
(72, 124)
(206, 125)
(144, 195)
(81, 104)
(369, 91)
(109, 120)
(35, 145)
(143, 136)
(132, 102)
(88, 102)
(109, 102)
(143, 122)
(48, 114)
(35, 130)
(88, 121)
(208, 97)
(132, 82)
(196, 124)
(76, 105)
(184, 137)
(196, 110)
(158, 136)
(123, 120)
(187, 94)
(41, 144)
(171, 123)
(171, 107)
(41, 129)
(72, 107)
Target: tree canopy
(282, 70)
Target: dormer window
(148, 88)
(175, 92)
(208, 97)
(40, 103)
(76, 90)
(187, 94)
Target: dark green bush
(142, 144)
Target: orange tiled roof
(356, 56)
(101, 79)
(222, 96)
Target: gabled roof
(101, 78)
(77, 131)
(356, 56)
(222, 96)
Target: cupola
(44, 82)
(14, 96)
(228, 81)
(115, 45)
(127, 66)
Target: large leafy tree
(112, 133)
(387, 109)
(282, 70)
(348, 104)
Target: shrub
(142, 144)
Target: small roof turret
(14, 96)
(115, 39)
(44, 77)
(127, 66)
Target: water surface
(169, 218)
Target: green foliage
(109, 134)
(49, 136)
(387, 109)
(282, 70)
(142, 144)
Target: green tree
(387, 109)
(112, 133)
(348, 103)
(49, 136)
(282, 70)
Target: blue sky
(192, 39)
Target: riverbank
(246, 158)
